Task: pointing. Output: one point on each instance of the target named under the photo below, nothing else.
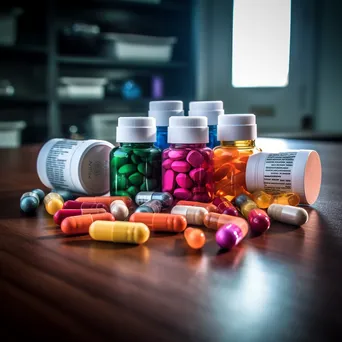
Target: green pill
(142, 154)
(132, 190)
(149, 185)
(145, 169)
(120, 182)
(121, 193)
(135, 159)
(127, 169)
(136, 178)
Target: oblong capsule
(288, 198)
(106, 199)
(74, 225)
(225, 207)
(120, 232)
(161, 222)
(229, 235)
(29, 202)
(258, 220)
(84, 205)
(193, 215)
(53, 202)
(40, 193)
(144, 196)
(64, 213)
(119, 210)
(153, 206)
(215, 221)
(194, 237)
(288, 214)
(211, 208)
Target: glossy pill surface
(229, 235)
(53, 202)
(66, 195)
(258, 220)
(262, 199)
(215, 221)
(193, 215)
(208, 206)
(64, 213)
(164, 197)
(84, 205)
(75, 225)
(119, 232)
(288, 214)
(40, 193)
(225, 207)
(29, 202)
(119, 210)
(153, 206)
(161, 222)
(289, 198)
(107, 200)
(194, 237)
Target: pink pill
(169, 181)
(167, 164)
(199, 189)
(195, 158)
(201, 197)
(198, 175)
(182, 194)
(184, 181)
(180, 166)
(178, 154)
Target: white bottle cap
(291, 171)
(210, 109)
(163, 110)
(136, 130)
(232, 127)
(188, 130)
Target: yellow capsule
(262, 199)
(53, 202)
(119, 231)
(289, 198)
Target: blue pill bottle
(162, 111)
(211, 110)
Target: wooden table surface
(285, 285)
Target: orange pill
(194, 237)
(106, 199)
(209, 206)
(215, 221)
(222, 171)
(161, 222)
(74, 225)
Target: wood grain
(285, 285)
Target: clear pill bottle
(80, 166)
(136, 164)
(162, 111)
(298, 171)
(237, 134)
(211, 110)
(187, 164)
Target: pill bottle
(187, 167)
(211, 110)
(162, 111)
(237, 134)
(80, 166)
(135, 164)
(297, 171)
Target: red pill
(84, 205)
(74, 225)
(258, 220)
(106, 199)
(64, 213)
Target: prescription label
(278, 172)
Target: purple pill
(178, 154)
(198, 175)
(182, 194)
(195, 158)
(167, 164)
(258, 220)
(180, 166)
(184, 181)
(199, 189)
(169, 181)
(229, 235)
(201, 197)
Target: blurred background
(71, 68)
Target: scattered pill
(229, 235)
(215, 221)
(29, 202)
(40, 193)
(66, 195)
(208, 206)
(119, 232)
(153, 206)
(194, 237)
(64, 213)
(53, 202)
(106, 199)
(145, 196)
(84, 205)
(161, 222)
(262, 199)
(225, 207)
(193, 215)
(289, 198)
(119, 210)
(288, 214)
(78, 225)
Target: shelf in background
(99, 62)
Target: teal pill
(29, 202)
(120, 182)
(135, 159)
(40, 193)
(66, 195)
(136, 178)
(145, 169)
(132, 190)
(127, 169)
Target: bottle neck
(241, 144)
(137, 145)
(188, 145)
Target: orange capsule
(74, 225)
(215, 221)
(194, 237)
(161, 222)
(209, 206)
(106, 199)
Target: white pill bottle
(80, 166)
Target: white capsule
(288, 214)
(119, 210)
(193, 215)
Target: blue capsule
(40, 193)
(29, 202)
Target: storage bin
(10, 133)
